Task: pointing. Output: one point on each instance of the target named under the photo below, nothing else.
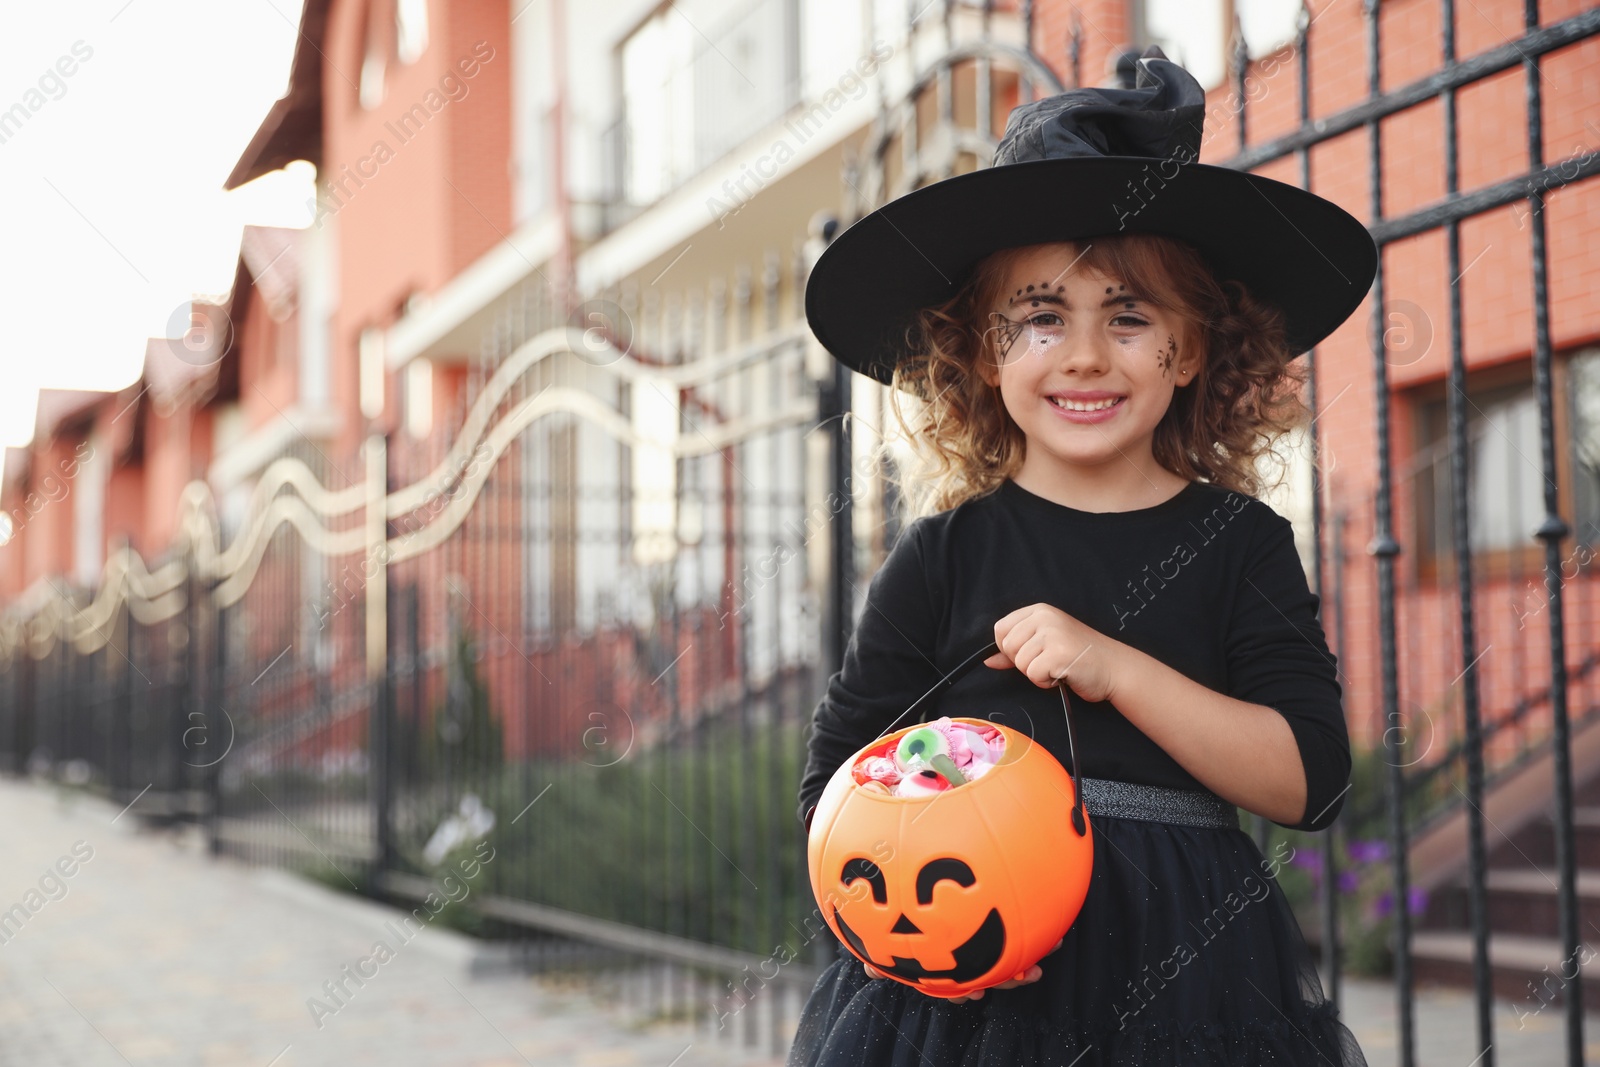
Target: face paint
(1004, 333)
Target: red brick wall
(416, 200)
(268, 354)
(47, 540)
(1105, 30)
(1497, 302)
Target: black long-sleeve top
(1209, 582)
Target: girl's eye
(1039, 319)
(1129, 320)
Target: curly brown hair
(1245, 397)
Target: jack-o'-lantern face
(974, 957)
(958, 890)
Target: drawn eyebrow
(1052, 298)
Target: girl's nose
(1085, 354)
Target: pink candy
(969, 746)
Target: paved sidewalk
(158, 954)
(151, 952)
(1447, 1029)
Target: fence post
(192, 705)
(833, 405)
(377, 604)
(218, 673)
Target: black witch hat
(1081, 164)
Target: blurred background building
(518, 470)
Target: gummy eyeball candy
(921, 745)
(927, 747)
(917, 785)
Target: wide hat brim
(1303, 254)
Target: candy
(877, 769)
(932, 758)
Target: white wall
(318, 300)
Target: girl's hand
(1047, 645)
(1033, 974)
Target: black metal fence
(583, 625)
(1404, 791)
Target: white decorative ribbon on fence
(288, 492)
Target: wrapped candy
(877, 769)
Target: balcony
(691, 93)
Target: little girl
(1094, 404)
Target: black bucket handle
(960, 670)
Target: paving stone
(160, 954)
(1445, 1021)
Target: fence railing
(583, 627)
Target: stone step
(1535, 843)
(1521, 901)
(1527, 971)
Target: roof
(175, 366)
(293, 127)
(58, 407)
(16, 466)
(197, 364)
(272, 253)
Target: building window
(656, 419)
(1583, 392)
(370, 86)
(1506, 488)
(696, 84)
(1198, 36)
(419, 398)
(1286, 480)
(658, 105)
(410, 29)
(370, 357)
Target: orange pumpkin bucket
(960, 889)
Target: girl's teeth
(1074, 405)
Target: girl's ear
(1190, 360)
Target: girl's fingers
(1024, 650)
(1014, 635)
(1029, 659)
(1033, 975)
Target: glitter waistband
(1188, 807)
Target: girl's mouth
(1099, 411)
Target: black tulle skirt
(1186, 952)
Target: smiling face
(1086, 366)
